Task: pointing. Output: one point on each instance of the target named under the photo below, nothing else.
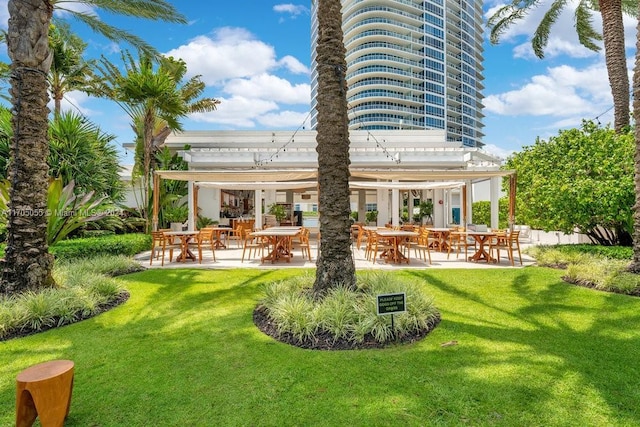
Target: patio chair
(204, 239)
(458, 241)
(424, 244)
(381, 244)
(170, 243)
(157, 239)
(252, 243)
(510, 243)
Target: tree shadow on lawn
(202, 339)
(560, 328)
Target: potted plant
(372, 217)
(425, 210)
(278, 211)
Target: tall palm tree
(335, 264)
(153, 95)
(635, 263)
(27, 263)
(612, 35)
(69, 70)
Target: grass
(183, 350)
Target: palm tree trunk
(635, 263)
(616, 59)
(27, 263)
(335, 264)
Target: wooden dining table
(218, 242)
(441, 235)
(185, 237)
(482, 238)
(279, 242)
(396, 237)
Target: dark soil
(326, 341)
(120, 299)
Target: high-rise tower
(412, 64)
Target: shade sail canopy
(290, 176)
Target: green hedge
(120, 244)
(611, 252)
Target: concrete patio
(231, 258)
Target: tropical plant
(67, 211)
(28, 48)
(335, 264)
(612, 34)
(69, 70)
(278, 211)
(78, 151)
(81, 152)
(580, 180)
(155, 97)
(371, 216)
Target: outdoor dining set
(391, 245)
(273, 244)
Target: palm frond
(113, 33)
(158, 10)
(587, 35)
(541, 35)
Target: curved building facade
(412, 64)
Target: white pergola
(387, 161)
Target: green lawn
(183, 351)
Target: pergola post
(196, 190)
(512, 200)
(156, 201)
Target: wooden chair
(236, 234)
(424, 244)
(458, 241)
(305, 245)
(170, 243)
(203, 239)
(509, 243)
(381, 244)
(157, 240)
(252, 243)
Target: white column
(362, 205)
(190, 224)
(395, 206)
(494, 196)
(439, 218)
(469, 202)
(383, 206)
(257, 207)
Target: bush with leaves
(580, 180)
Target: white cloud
(293, 65)
(237, 111)
(292, 9)
(497, 151)
(230, 53)
(563, 92)
(285, 119)
(269, 87)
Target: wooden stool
(44, 390)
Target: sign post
(390, 304)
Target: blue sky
(254, 55)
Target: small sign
(391, 303)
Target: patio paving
(231, 258)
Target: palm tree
(69, 71)
(335, 264)
(27, 263)
(155, 99)
(612, 34)
(635, 263)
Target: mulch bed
(120, 299)
(326, 341)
